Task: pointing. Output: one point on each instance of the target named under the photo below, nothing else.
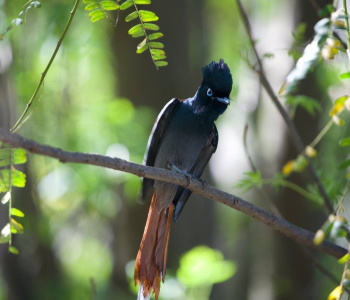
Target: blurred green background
(83, 224)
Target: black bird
(183, 139)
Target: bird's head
(215, 88)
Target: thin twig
(292, 129)
(292, 231)
(20, 121)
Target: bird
(183, 139)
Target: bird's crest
(217, 76)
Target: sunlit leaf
(89, 1)
(203, 266)
(161, 63)
(142, 2)
(148, 16)
(151, 26)
(109, 5)
(155, 36)
(16, 212)
(345, 142)
(92, 6)
(157, 52)
(345, 76)
(158, 57)
(13, 250)
(126, 4)
(343, 259)
(156, 45)
(135, 30)
(19, 156)
(142, 48)
(16, 227)
(97, 15)
(134, 15)
(18, 178)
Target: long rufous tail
(151, 259)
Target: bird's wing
(196, 171)
(153, 145)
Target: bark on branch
(292, 231)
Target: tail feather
(151, 259)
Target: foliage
(11, 177)
(99, 9)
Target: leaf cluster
(11, 177)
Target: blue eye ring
(209, 92)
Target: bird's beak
(223, 100)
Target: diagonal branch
(292, 231)
(292, 129)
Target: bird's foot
(175, 169)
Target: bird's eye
(209, 92)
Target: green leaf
(136, 30)
(109, 5)
(161, 63)
(344, 164)
(151, 26)
(19, 156)
(6, 198)
(202, 267)
(142, 48)
(345, 76)
(311, 105)
(148, 16)
(155, 36)
(89, 1)
(156, 45)
(126, 4)
(157, 52)
(16, 212)
(97, 15)
(13, 250)
(16, 227)
(341, 100)
(343, 259)
(345, 142)
(251, 180)
(143, 2)
(158, 57)
(134, 15)
(18, 178)
(92, 6)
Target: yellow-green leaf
(16, 212)
(345, 142)
(148, 16)
(142, 49)
(161, 63)
(19, 156)
(126, 5)
(158, 57)
(156, 45)
(109, 5)
(157, 52)
(132, 16)
(13, 250)
(92, 6)
(97, 15)
(143, 2)
(155, 36)
(16, 227)
(151, 26)
(343, 259)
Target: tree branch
(292, 129)
(292, 231)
